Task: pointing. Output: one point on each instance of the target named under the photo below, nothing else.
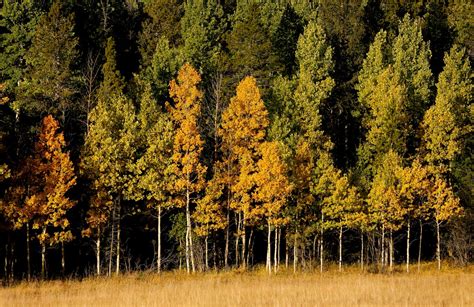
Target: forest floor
(450, 287)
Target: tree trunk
(419, 245)
(28, 253)
(158, 251)
(340, 249)
(227, 238)
(321, 247)
(63, 259)
(97, 253)
(295, 251)
(117, 261)
(391, 250)
(287, 252)
(408, 246)
(43, 256)
(269, 248)
(276, 249)
(361, 251)
(250, 248)
(207, 252)
(438, 245)
(238, 219)
(382, 246)
(188, 226)
(112, 239)
(243, 244)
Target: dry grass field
(450, 287)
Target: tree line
(199, 134)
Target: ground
(450, 287)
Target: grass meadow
(450, 287)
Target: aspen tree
(54, 173)
(242, 131)
(187, 168)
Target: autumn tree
(153, 167)
(385, 207)
(54, 177)
(272, 191)
(108, 157)
(444, 205)
(242, 131)
(188, 172)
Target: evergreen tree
(49, 84)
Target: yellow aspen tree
(98, 214)
(153, 167)
(272, 191)
(209, 215)
(413, 187)
(187, 169)
(54, 171)
(385, 207)
(444, 205)
(243, 129)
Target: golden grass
(453, 287)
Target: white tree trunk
(438, 245)
(340, 249)
(158, 251)
(408, 246)
(97, 253)
(269, 248)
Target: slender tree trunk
(188, 230)
(250, 249)
(340, 249)
(269, 248)
(28, 253)
(43, 256)
(408, 246)
(287, 252)
(391, 250)
(244, 244)
(419, 245)
(321, 247)
(227, 238)
(158, 251)
(117, 261)
(112, 240)
(361, 251)
(295, 251)
(438, 245)
(97, 252)
(382, 246)
(207, 252)
(63, 259)
(5, 263)
(276, 249)
(238, 219)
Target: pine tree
(19, 18)
(49, 83)
(113, 84)
(163, 19)
(187, 170)
(54, 176)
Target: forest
(197, 135)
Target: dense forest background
(149, 135)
